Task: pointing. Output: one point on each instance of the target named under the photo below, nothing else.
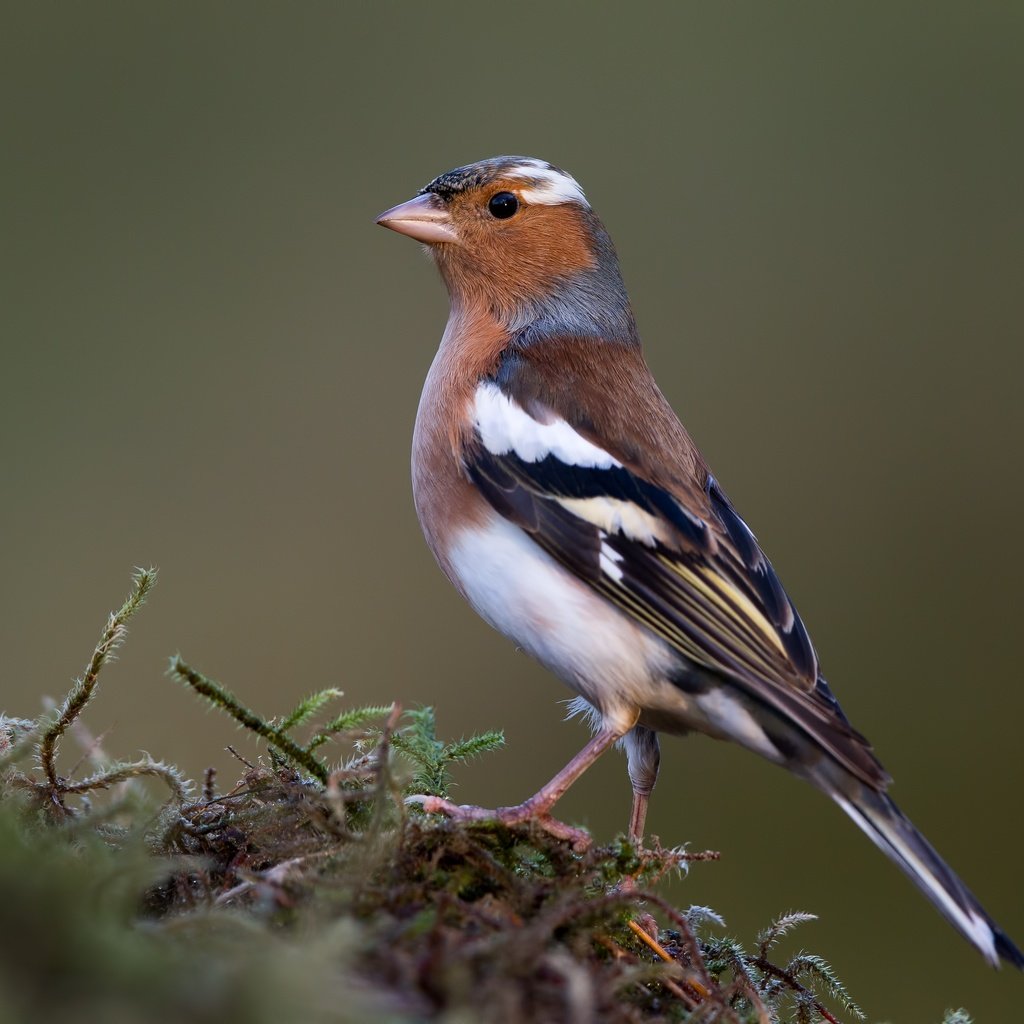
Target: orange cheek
(528, 258)
(504, 262)
(559, 239)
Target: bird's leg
(538, 806)
(643, 757)
(638, 816)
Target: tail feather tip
(1007, 950)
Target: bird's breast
(444, 498)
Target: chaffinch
(566, 502)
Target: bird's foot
(528, 811)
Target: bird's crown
(544, 184)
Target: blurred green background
(212, 357)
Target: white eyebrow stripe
(506, 427)
(550, 187)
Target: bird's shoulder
(605, 392)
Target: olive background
(212, 358)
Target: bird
(563, 498)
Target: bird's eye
(502, 205)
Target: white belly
(514, 585)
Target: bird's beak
(424, 218)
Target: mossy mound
(311, 891)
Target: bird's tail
(892, 832)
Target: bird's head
(517, 235)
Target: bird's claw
(524, 812)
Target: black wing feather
(706, 588)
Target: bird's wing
(674, 556)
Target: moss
(311, 891)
